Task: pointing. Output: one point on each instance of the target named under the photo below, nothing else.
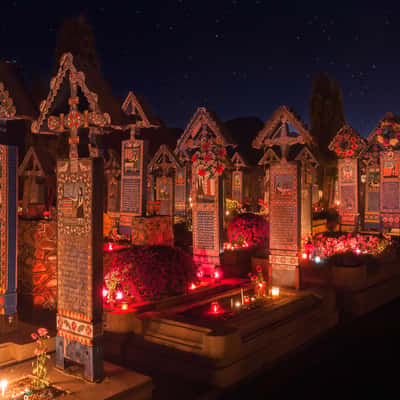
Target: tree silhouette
(76, 36)
(326, 118)
(326, 113)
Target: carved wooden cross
(284, 141)
(237, 164)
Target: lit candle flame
(3, 386)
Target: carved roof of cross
(268, 157)
(272, 133)
(135, 105)
(164, 158)
(238, 161)
(48, 122)
(203, 117)
(306, 156)
(38, 161)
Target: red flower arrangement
(388, 133)
(347, 143)
(146, 273)
(248, 228)
(358, 244)
(210, 156)
(260, 285)
(219, 169)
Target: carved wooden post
(133, 180)
(11, 132)
(348, 144)
(80, 203)
(285, 223)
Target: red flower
(194, 158)
(253, 278)
(207, 157)
(258, 268)
(354, 146)
(219, 169)
(205, 146)
(338, 151)
(202, 172)
(222, 153)
(350, 152)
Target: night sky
(237, 57)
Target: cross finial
(134, 131)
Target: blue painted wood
(60, 361)
(90, 357)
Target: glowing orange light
(275, 291)
(304, 256)
(193, 286)
(110, 247)
(119, 295)
(217, 275)
(215, 308)
(3, 386)
(337, 202)
(105, 292)
(124, 306)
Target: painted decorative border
(389, 218)
(3, 219)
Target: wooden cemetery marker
(285, 223)
(390, 190)
(372, 191)
(80, 264)
(11, 132)
(8, 232)
(80, 205)
(348, 144)
(180, 191)
(133, 180)
(207, 217)
(348, 193)
(203, 146)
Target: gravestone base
(285, 275)
(89, 356)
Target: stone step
(6, 356)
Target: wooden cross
(237, 164)
(134, 130)
(284, 141)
